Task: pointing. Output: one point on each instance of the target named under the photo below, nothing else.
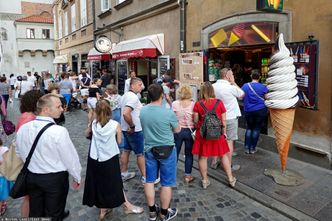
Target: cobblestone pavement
(218, 202)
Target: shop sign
(191, 68)
(305, 61)
(269, 5)
(145, 52)
(249, 33)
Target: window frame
(60, 34)
(102, 4)
(83, 14)
(28, 33)
(73, 18)
(66, 23)
(47, 31)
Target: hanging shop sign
(248, 33)
(305, 61)
(269, 5)
(191, 68)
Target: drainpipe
(183, 47)
(94, 21)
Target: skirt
(103, 184)
(5, 187)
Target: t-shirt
(251, 101)
(93, 91)
(131, 100)
(184, 114)
(32, 79)
(158, 124)
(106, 80)
(12, 80)
(65, 87)
(166, 92)
(4, 88)
(25, 86)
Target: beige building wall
(307, 17)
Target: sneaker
(247, 151)
(172, 212)
(253, 151)
(154, 215)
(127, 176)
(157, 180)
(236, 167)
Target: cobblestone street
(218, 202)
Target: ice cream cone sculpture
(282, 98)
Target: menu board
(191, 68)
(305, 61)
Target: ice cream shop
(244, 40)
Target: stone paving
(218, 202)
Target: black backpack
(211, 129)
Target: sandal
(205, 183)
(232, 182)
(103, 214)
(133, 210)
(188, 179)
(3, 208)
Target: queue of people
(118, 125)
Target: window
(83, 15)
(30, 33)
(105, 5)
(66, 23)
(46, 34)
(120, 1)
(73, 18)
(4, 34)
(60, 26)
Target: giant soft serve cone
(282, 123)
(282, 98)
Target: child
(5, 185)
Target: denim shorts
(167, 169)
(133, 142)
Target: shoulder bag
(20, 187)
(253, 91)
(12, 164)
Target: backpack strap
(214, 107)
(203, 106)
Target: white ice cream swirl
(281, 80)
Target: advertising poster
(191, 68)
(305, 61)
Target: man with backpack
(228, 91)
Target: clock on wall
(103, 44)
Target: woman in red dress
(207, 148)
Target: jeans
(185, 136)
(255, 121)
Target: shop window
(30, 33)
(250, 33)
(46, 34)
(83, 13)
(105, 5)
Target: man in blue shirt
(158, 124)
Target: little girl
(5, 185)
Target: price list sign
(305, 61)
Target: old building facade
(73, 25)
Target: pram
(75, 101)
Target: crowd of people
(118, 125)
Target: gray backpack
(211, 129)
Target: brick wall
(29, 8)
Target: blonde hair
(53, 86)
(103, 112)
(112, 89)
(184, 92)
(206, 91)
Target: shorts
(92, 101)
(133, 142)
(167, 169)
(232, 129)
(85, 92)
(66, 97)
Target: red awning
(147, 46)
(143, 53)
(94, 55)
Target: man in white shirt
(228, 91)
(54, 157)
(133, 139)
(127, 83)
(31, 78)
(24, 86)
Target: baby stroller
(75, 101)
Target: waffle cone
(282, 123)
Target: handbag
(20, 187)
(162, 152)
(8, 127)
(12, 164)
